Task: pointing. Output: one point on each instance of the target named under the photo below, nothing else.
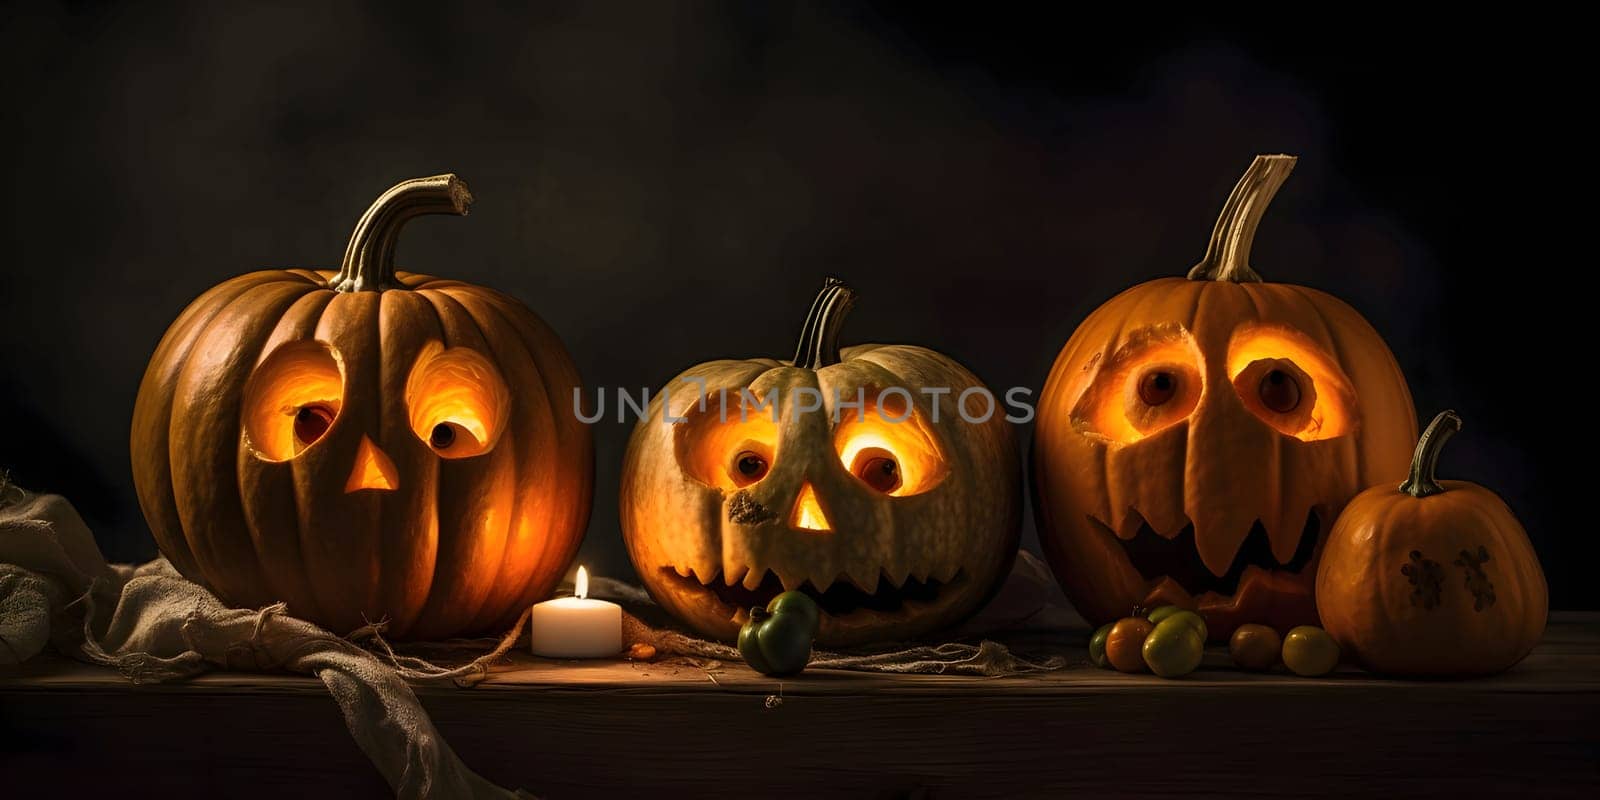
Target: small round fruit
(1125, 644)
(1255, 647)
(1174, 648)
(1097, 646)
(1162, 613)
(1195, 621)
(1309, 651)
(798, 604)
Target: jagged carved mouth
(839, 599)
(1156, 556)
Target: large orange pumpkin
(1435, 578)
(367, 444)
(1197, 437)
(849, 474)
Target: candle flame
(580, 586)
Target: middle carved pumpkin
(881, 480)
(1197, 438)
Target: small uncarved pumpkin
(367, 444)
(835, 475)
(1196, 438)
(1437, 578)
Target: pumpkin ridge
(505, 590)
(314, 322)
(163, 371)
(466, 599)
(406, 565)
(201, 549)
(227, 379)
(301, 598)
(536, 338)
(490, 600)
(341, 531)
(309, 276)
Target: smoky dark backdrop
(668, 183)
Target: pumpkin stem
(1228, 255)
(369, 258)
(819, 339)
(1422, 481)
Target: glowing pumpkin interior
(886, 444)
(1155, 380)
(887, 427)
(295, 376)
(1327, 407)
(457, 401)
(711, 441)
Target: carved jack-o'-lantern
(367, 444)
(1196, 438)
(836, 475)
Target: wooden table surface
(619, 729)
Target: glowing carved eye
(292, 400)
(726, 448)
(896, 458)
(1279, 391)
(1150, 383)
(878, 468)
(457, 401)
(311, 421)
(1157, 387)
(748, 467)
(1291, 383)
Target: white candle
(577, 627)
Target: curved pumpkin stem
(1228, 255)
(1422, 481)
(819, 339)
(368, 264)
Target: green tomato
(777, 639)
(1309, 651)
(1193, 620)
(1158, 614)
(1174, 648)
(799, 604)
(1168, 612)
(1097, 646)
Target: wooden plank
(600, 729)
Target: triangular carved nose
(807, 514)
(372, 470)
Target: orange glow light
(915, 449)
(460, 387)
(808, 514)
(1334, 413)
(1103, 408)
(708, 445)
(373, 470)
(294, 375)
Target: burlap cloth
(152, 624)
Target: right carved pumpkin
(1197, 436)
(1435, 578)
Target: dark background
(668, 183)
